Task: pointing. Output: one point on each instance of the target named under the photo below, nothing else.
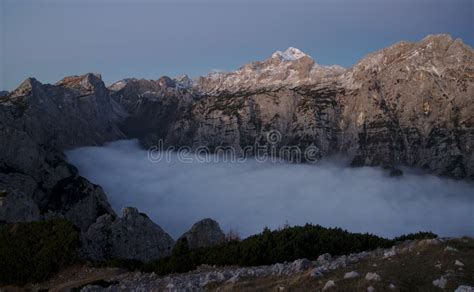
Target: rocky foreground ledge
(423, 265)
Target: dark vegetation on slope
(268, 247)
(413, 236)
(33, 252)
(271, 247)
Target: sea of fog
(247, 196)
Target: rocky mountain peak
(288, 69)
(166, 82)
(183, 81)
(116, 86)
(29, 83)
(431, 48)
(25, 88)
(442, 38)
(86, 83)
(408, 104)
(291, 54)
(435, 55)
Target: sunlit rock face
(408, 104)
(290, 69)
(412, 104)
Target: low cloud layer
(249, 196)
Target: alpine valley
(408, 105)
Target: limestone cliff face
(38, 121)
(412, 104)
(409, 104)
(152, 105)
(303, 118)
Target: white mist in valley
(246, 197)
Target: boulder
(372, 277)
(324, 259)
(441, 282)
(133, 236)
(390, 253)
(329, 284)
(450, 249)
(464, 288)
(204, 233)
(301, 265)
(351, 275)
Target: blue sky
(49, 39)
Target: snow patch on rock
(291, 54)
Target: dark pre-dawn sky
(50, 39)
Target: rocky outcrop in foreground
(204, 233)
(132, 236)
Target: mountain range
(410, 104)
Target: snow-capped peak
(291, 54)
(183, 81)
